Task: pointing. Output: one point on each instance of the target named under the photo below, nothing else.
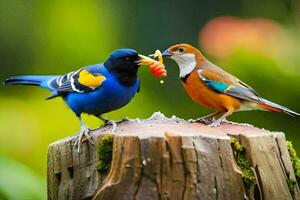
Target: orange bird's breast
(208, 97)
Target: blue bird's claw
(82, 137)
(113, 124)
(108, 122)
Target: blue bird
(95, 89)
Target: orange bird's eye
(180, 49)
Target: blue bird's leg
(108, 122)
(83, 135)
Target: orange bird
(214, 88)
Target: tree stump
(170, 158)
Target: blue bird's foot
(82, 137)
(113, 124)
(109, 122)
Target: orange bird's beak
(167, 53)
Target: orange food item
(158, 68)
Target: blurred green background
(259, 43)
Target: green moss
(291, 184)
(243, 163)
(295, 160)
(105, 150)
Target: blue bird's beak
(167, 53)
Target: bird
(214, 88)
(94, 89)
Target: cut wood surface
(170, 158)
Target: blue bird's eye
(127, 58)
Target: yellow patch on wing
(88, 79)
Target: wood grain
(170, 158)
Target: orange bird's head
(186, 56)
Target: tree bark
(170, 158)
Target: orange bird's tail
(268, 105)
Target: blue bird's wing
(80, 81)
(228, 85)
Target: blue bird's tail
(29, 80)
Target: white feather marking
(69, 75)
(60, 80)
(200, 74)
(72, 81)
(186, 63)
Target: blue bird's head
(124, 64)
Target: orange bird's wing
(223, 82)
